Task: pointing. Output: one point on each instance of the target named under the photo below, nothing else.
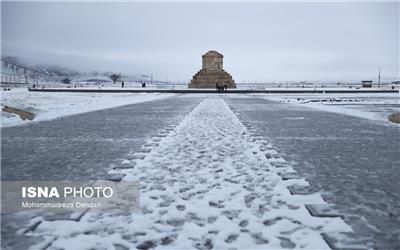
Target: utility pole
(379, 77)
(26, 76)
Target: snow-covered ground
(50, 105)
(372, 106)
(208, 183)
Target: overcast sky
(260, 41)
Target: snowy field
(50, 105)
(372, 106)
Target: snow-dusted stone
(258, 138)
(144, 150)
(151, 144)
(126, 161)
(258, 134)
(148, 244)
(67, 215)
(286, 243)
(115, 177)
(323, 210)
(77, 216)
(287, 171)
(27, 241)
(18, 231)
(270, 147)
(130, 166)
(301, 190)
(32, 226)
(289, 176)
(162, 133)
(156, 139)
(272, 156)
(120, 247)
(7, 115)
(280, 164)
(343, 241)
(271, 222)
(137, 157)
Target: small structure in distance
(366, 84)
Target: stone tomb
(212, 73)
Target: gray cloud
(260, 41)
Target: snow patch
(374, 107)
(51, 105)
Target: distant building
(366, 84)
(212, 73)
(396, 82)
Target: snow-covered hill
(16, 70)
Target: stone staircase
(209, 78)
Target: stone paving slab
(83, 146)
(343, 241)
(301, 190)
(229, 198)
(79, 147)
(323, 210)
(353, 161)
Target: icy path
(207, 184)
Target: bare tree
(115, 77)
(66, 80)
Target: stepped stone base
(207, 79)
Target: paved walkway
(85, 146)
(218, 179)
(353, 161)
(79, 147)
(208, 184)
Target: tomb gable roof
(213, 53)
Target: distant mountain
(15, 66)
(54, 73)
